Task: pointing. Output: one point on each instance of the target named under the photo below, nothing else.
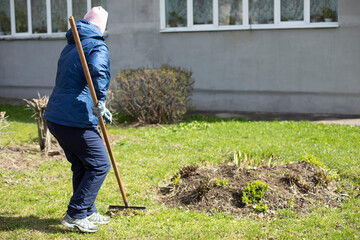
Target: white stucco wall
(289, 70)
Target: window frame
(278, 24)
(29, 34)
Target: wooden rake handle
(94, 98)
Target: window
(58, 16)
(203, 12)
(207, 15)
(38, 16)
(34, 17)
(21, 16)
(323, 11)
(230, 12)
(292, 10)
(261, 11)
(5, 24)
(176, 13)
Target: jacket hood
(86, 30)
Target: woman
(72, 118)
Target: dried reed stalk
(3, 122)
(38, 106)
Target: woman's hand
(101, 111)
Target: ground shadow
(214, 116)
(19, 113)
(47, 225)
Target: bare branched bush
(38, 106)
(159, 95)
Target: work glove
(101, 111)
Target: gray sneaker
(96, 218)
(83, 225)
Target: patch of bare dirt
(297, 186)
(18, 158)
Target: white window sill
(284, 25)
(38, 36)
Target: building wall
(28, 67)
(292, 70)
(299, 70)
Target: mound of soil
(297, 186)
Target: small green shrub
(176, 180)
(221, 182)
(160, 95)
(261, 207)
(312, 160)
(254, 192)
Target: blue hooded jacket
(70, 102)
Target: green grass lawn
(34, 199)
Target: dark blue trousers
(86, 152)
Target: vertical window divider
(88, 5)
(48, 16)
(29, 16)
(277, 12)
(190, 13)
(245, 12)
(69, 10)
(216, 13)
(307, 11)
(12, 17)
(162, 14)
